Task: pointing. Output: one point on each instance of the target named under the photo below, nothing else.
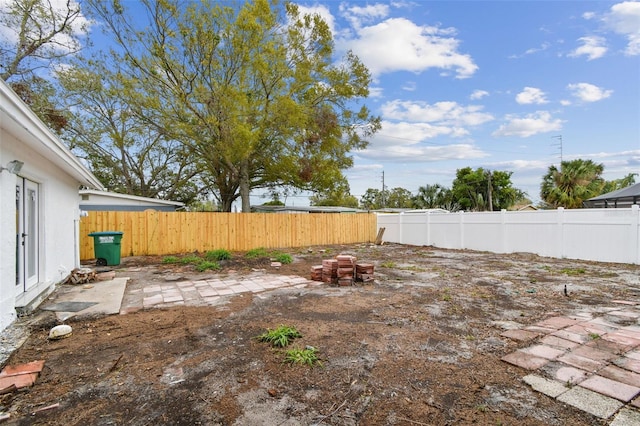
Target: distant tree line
(485, 190)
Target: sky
(504, 85)
(512, 86)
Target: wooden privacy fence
(159, 233)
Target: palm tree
(576, 181)
(431, 197)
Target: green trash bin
(106, 246)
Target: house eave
(24, 124)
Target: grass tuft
(307, 356)
(208, 265)
(220, 254)
(281, 336)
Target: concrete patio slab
(612, 388)
(570, 375)
(520, 335)
(525, 360)
(548, 387)
(105, 298)
(626, 417)
(621, 375)
(592, 402)
(557, 322)
(544, 351)
(559, 342)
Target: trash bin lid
(97, 234)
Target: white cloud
(531, 95)
(400, 45)
(478, 94)
(531, 51)
(624, 19)
(443, 113)
(407, 133)
(593, 47)
(375, 92)
(380, 149)
(359, 15)
(409, 86)
(586, 92)
(588, 15)
(531, 124)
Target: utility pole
(490, 190)
(559, 138)
(382, 194)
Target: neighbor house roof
(624, 197)
(104, 200)
(19, 120)
(307, 209)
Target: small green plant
(191, 259)
(594, 336)
(281, 336)
(220, 254)
(170, 259)
(573, 271)
(208, 265)
(413, 268)
(388, 264)
(283, 258)
(306, 356)
(257, 252)
(446, 296)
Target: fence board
(160, 233)
(605, 235)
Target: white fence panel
(483, 231)
(445, 230)
(533, 232)
(605, 235)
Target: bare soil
(419, 346)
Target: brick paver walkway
(588, 360)
(205, 292)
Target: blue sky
(493, 84)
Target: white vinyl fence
(604, 235)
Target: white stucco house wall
(39, 210)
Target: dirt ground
(420, 345)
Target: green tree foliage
(253, 90)
(41, 96)
(374, 199)
(614, 185)
(575, 181)
(434, 197)
(37, 33)
(482, 190)
(399, 198)
(339, 196)
(126, 153)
